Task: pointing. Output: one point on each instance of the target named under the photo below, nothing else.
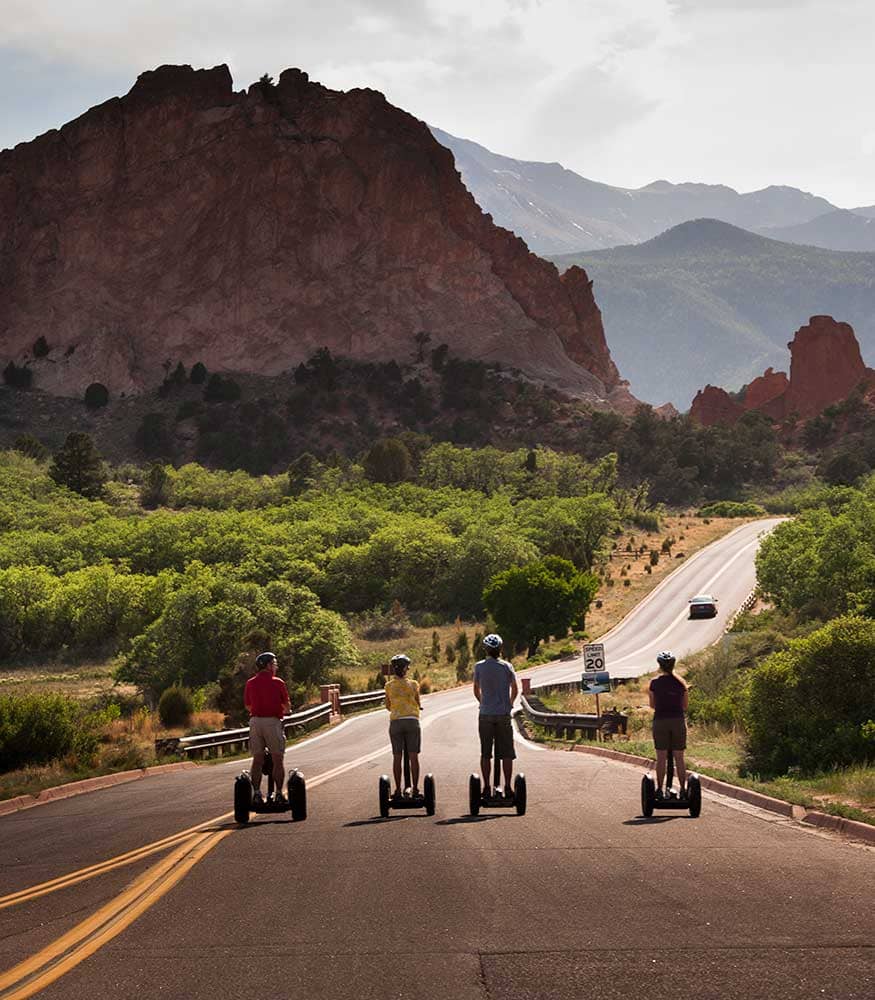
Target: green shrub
(654, 557)
(221, 389)
(17, 378)
(732, 508)
(176, 706)
(40, 347)
(809, 706)
(39, 728)
(198, 373)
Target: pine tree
(79, 466)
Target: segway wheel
(475, 793)
(242, 798)
(297, 791)
(519, 794)
(694, 794)
(385, 788)
(648, 795)
(429, 794)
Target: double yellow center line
(57, 958)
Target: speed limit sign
(594, 656)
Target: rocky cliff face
(713, 405)
(825, 367)
(187, 222)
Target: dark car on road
(703, 606)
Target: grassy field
(718, 752)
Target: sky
(740, 92)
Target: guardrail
(235, 741)
(364, 699)
(746, 605)
(567, 724)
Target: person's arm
(514, 687)
(418, 698)
(246, 703)
(686, 698)
(286, 705)
(476, 683)
(650, 697)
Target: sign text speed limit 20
(594, 656)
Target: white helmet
(493, 642)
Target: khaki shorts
(496, 730)
(674, 729)
(405, 733)
(266, 731)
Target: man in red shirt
(266, 698)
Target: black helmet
(263, 660)
(666, 660)
(399, 663)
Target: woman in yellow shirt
(402, 700)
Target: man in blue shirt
(495, 687)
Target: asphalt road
(580, 897)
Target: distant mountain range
(710, 302)
(557, 211)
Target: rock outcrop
(713, 405)
(767, 393)
(825, 368)
(186, 222)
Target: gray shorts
(674, 729)
(405, 733)
(266, 731)
(496, 730)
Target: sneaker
(256, 797)
(487, 793)
(659, 795)
(508, 794)
(280, 801)
(396, 795)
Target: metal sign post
(596, 679)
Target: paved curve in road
(580, 897)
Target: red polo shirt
(265, 695)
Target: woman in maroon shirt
(669, 696)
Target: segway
(691, 799)
(425, 799)
(496, 800)
(295, 801)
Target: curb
(74, 788)
(849, 827)
(811, 817)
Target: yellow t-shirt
(402, 698)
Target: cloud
(746, 92)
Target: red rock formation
(714, 405)
(825, 366)
(766, 394)
(668, 411)
(186, 222)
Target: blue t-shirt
(495, 678)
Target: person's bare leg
(486, 769)
(279, 771)
(681, 768)
(507, 767)
(414, 771)
(255, 773)
(396, 771)
(661, 762)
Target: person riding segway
(669, 697)
(267, 700)
(496, 689)
(405, 733)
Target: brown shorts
(266, 731)
(674, 729)
(405, 733)
(496, 730)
